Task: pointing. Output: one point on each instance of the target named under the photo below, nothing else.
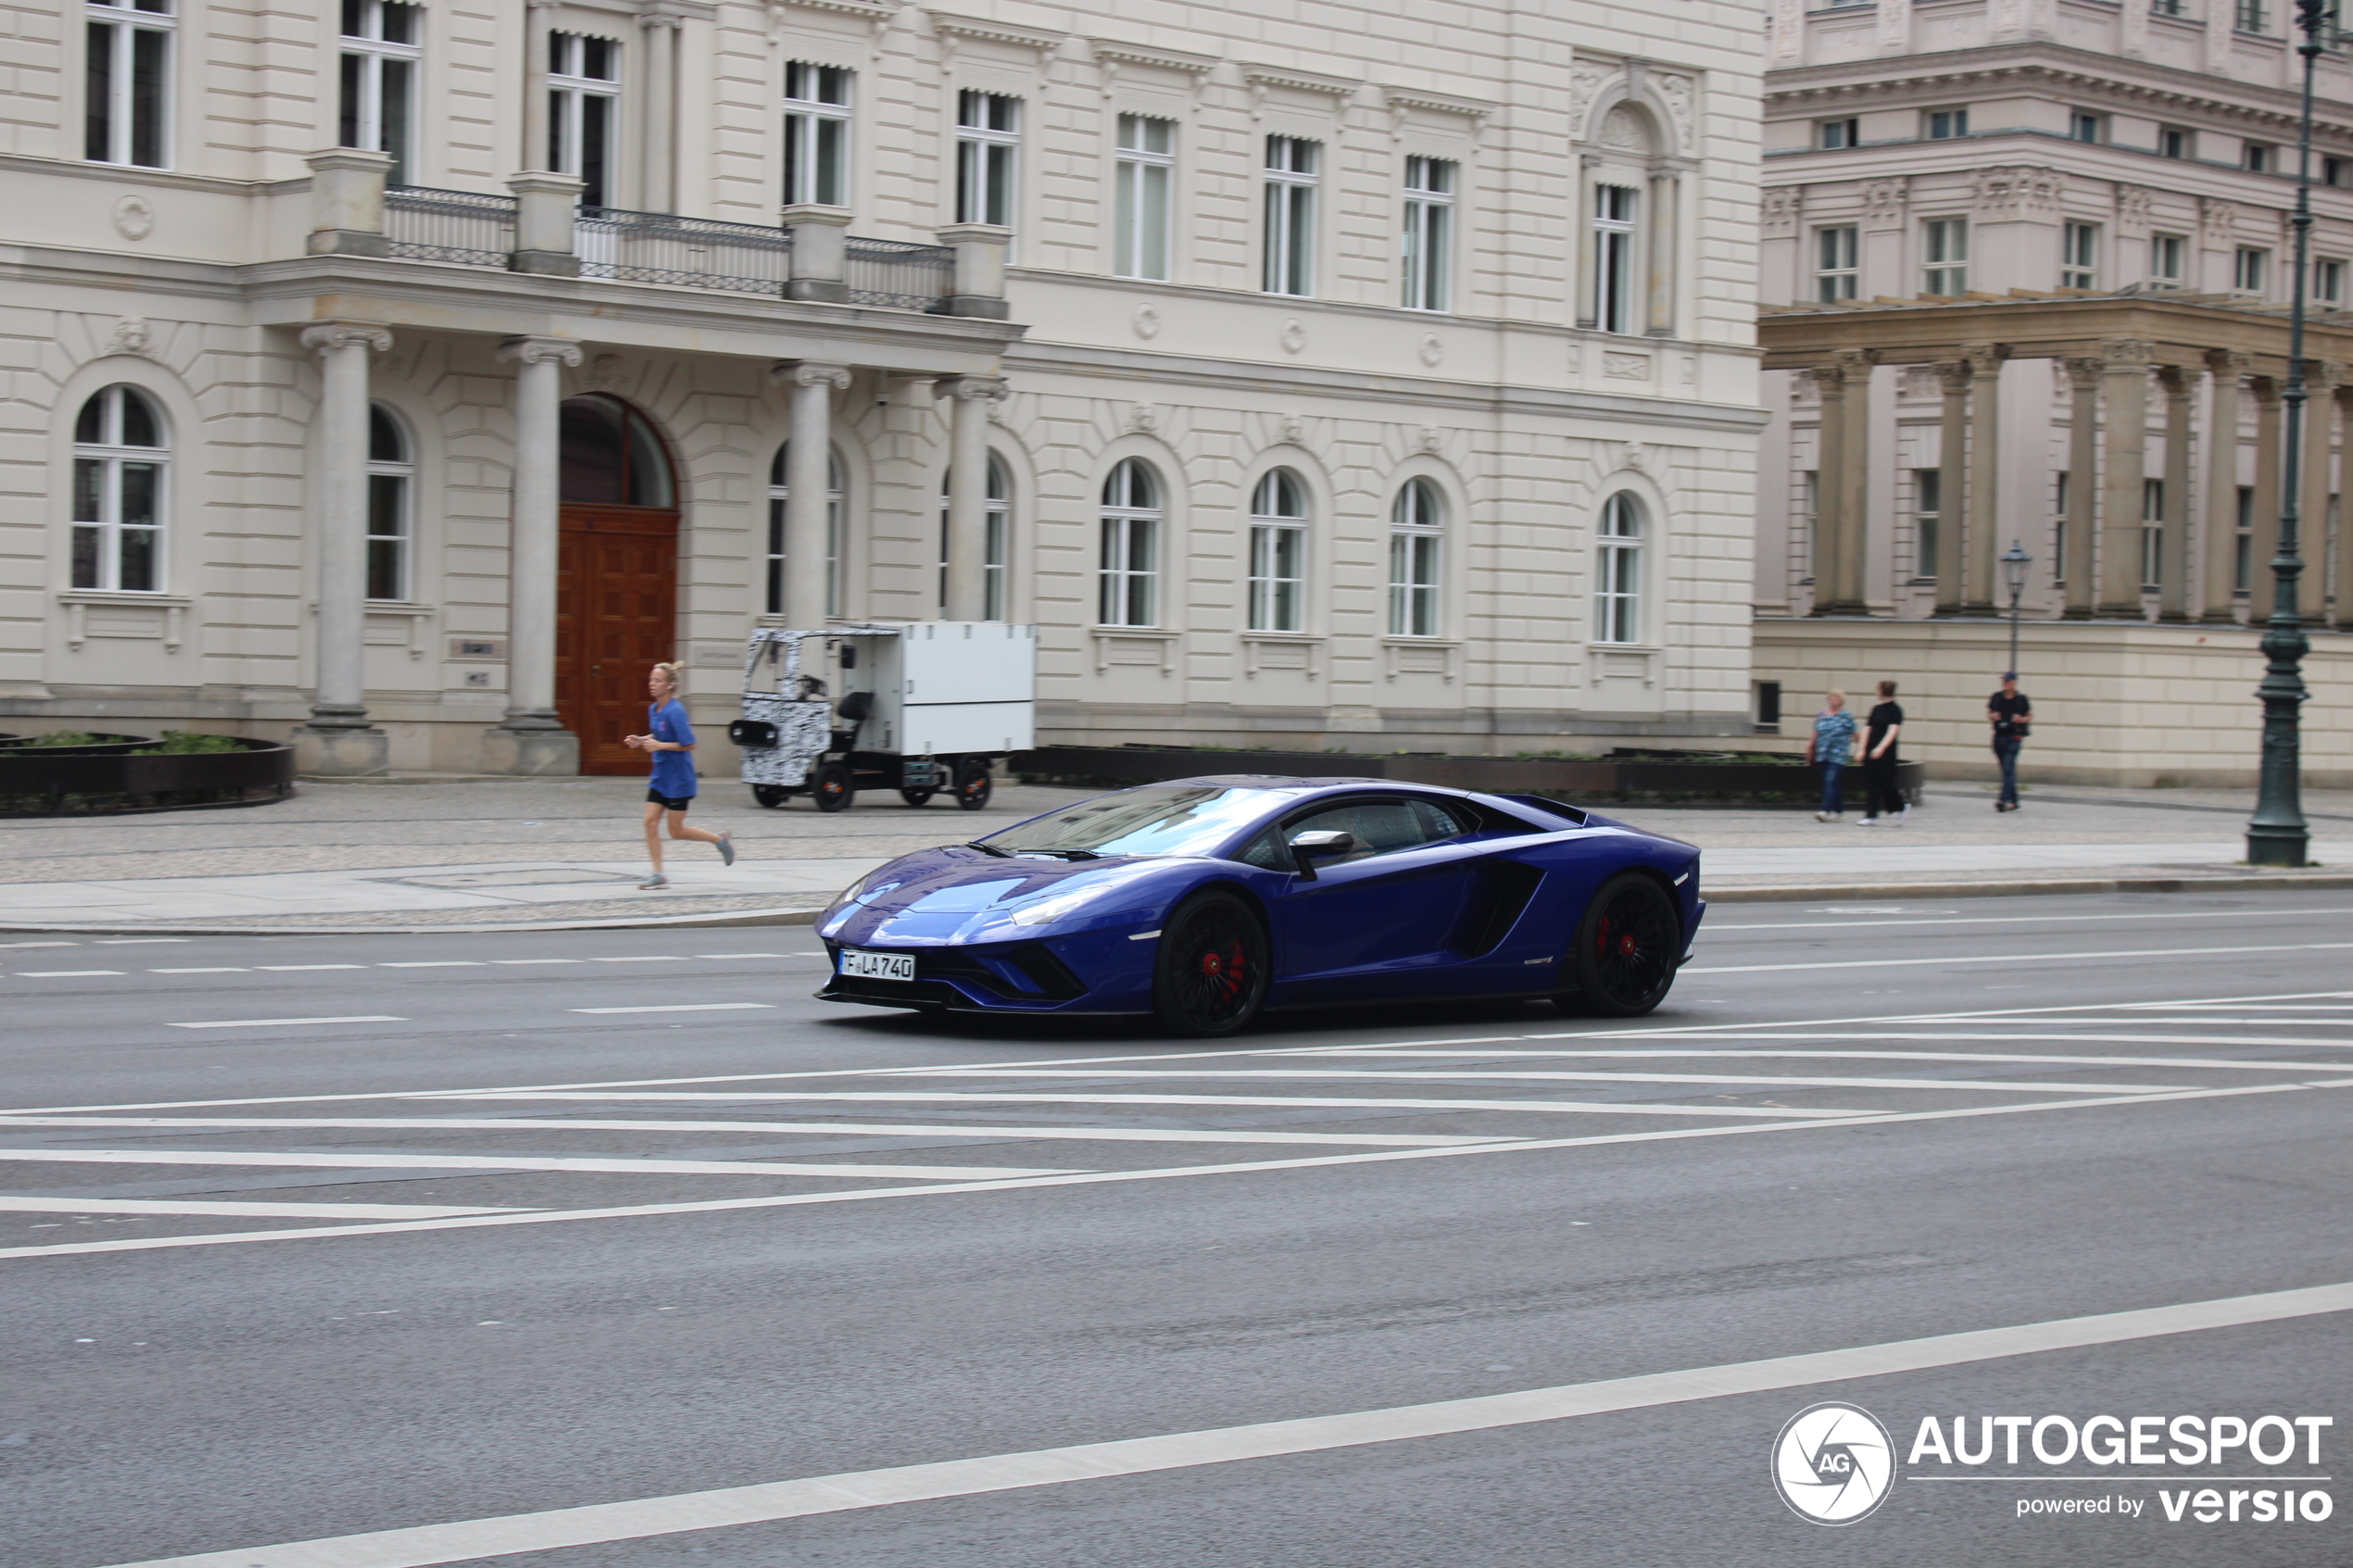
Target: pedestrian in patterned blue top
(1831, 747)
(671, 744)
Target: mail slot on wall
(477, 647)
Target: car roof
(1272, 781)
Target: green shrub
(63, 738)
(188, 743)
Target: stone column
(2341, 575)
(660, 30)
(2320, 379)
(2219, 528)
(1841, 494)
(968, 492)
(2127, 395)
(2174, 563)
(1588, 297)
(532, 739)
(338, 740)
(2259, 581)
(2081, 550)
(537, 17)
(1952, 482)
(807, 462)
(1666, 202)
(1980, 581)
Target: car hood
(957, 894)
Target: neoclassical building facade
(2026, 266)
(404, 377)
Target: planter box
(73, 780)
(1633, 779)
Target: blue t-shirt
(1833, 736)
(674, 770)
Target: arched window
(996, 541)
(1417, 525)
(119, 455)
(391, 467)
(1279, 553)
(777, 495)
(1130, 572)
(1618, 598)
(612, 455)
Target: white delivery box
(966, 686)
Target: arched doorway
(617, 575)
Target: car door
(1373, 921)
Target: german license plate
(860, 964)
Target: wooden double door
(616, 617)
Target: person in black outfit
(2009, 712)
(1882, 798)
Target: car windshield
(1155, 820)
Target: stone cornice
(1437, 102)
(866, 9)
(990, 31)
(1263, 77)
(1158, 59)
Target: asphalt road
(469, 1248)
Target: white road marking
(1768, 1079)
(863, 1194)
(760, 954)
(646, 957)
(281, 1022)
(435, 963)
(516, 1162)
(1299, 1101)
(244, 1210)
(61, 973)
(208, 969)
(1721, 927)
(596, 1524)
(290, 967)
(137, 941)
(13, 944)
(684, 1007)
(867, 1129)
(1675, 1054)
(538, 961)
(2022, 958)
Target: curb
(623, 923)
(2224, 884)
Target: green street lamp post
(2015, 560)
(2277, 835)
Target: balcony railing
(694, 252)
(453, 226)
(897, 275)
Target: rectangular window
(1768, 707)
(816, 134)
(2172, 142)
(2080, 256)
(1131, 571)
(2250, 269)
(1944, 256)
(1809, 519)
(2152, 532)
(2253, 17)
(2082, 127)
(1834, 134)
(1147, 176)
(1277, 577)
(2243, 547)
(1835, 273)
(2168, 8)
(1428, 239)
(2258, 157)
(127, 83)
(583, 76)
(379, 86)
(1944, 125)
(1614, 259)
(1292, 173)
(2328, 281)
(1413, 584)
(988, 145)
(2336, 172)
(2058, 529)
(387, 535)
(1928, 514)
(2169, 257)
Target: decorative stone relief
(2007, 193)
(1884, 203)
(1637, 457)
(1781, 208)
(1142, 418)
(132, 336)
(135, 216)
(604, 371)
(1432, 350)
(1676, 91)
(1627, 367)
(1623, 131)
(2133, 210)
(1294, 336)
(2217, 221)
(1146, 321)
(1431, 438)
(1584, 82)
(1293, 430)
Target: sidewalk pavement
(448, 854)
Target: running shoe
(727, 848)
(656, 880)
(1905, 815)
(1868, 822)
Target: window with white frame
(118, 459)
(1145, 196)
(1615, 264)
(779, 494)
(1836, 273)
(1292, 169)
(378, 83)
(1618, 595)
(1429, 239)
(1416, 538)
(2080, 256)
(1833, 134)
(392, 472)
(816, 134)
(2243, 542)
(987, 156)
(2253, 17)
(1945, 125)
(996, 542)
(2152, 533)
(1944, 256)
(1130, 574)
(2251, 269)
(1927, 517)
(2083, 126)
(2259, 158)
(2328, 281)
(584, 80)
(1279, 553)
(2172, 142)
(2058, 529)
(126, 109)
(2169, 257)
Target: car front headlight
(1060, 907)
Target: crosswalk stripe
(196, 1157)
(246, 1210)
(1769, 1081)
(1602, 1107)
(927, 1130)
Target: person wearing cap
(2010, 713)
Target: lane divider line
(587, 1163)
(283, 1022)
(2020, 958)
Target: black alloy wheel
(832, 786)
(1210, 974)
(1627, 947)
(972, 783)
(771, 795)
(916, 796)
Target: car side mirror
(1310, 847)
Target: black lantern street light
(2277, 835)
(2015, 560)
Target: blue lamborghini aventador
(1203, 901)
